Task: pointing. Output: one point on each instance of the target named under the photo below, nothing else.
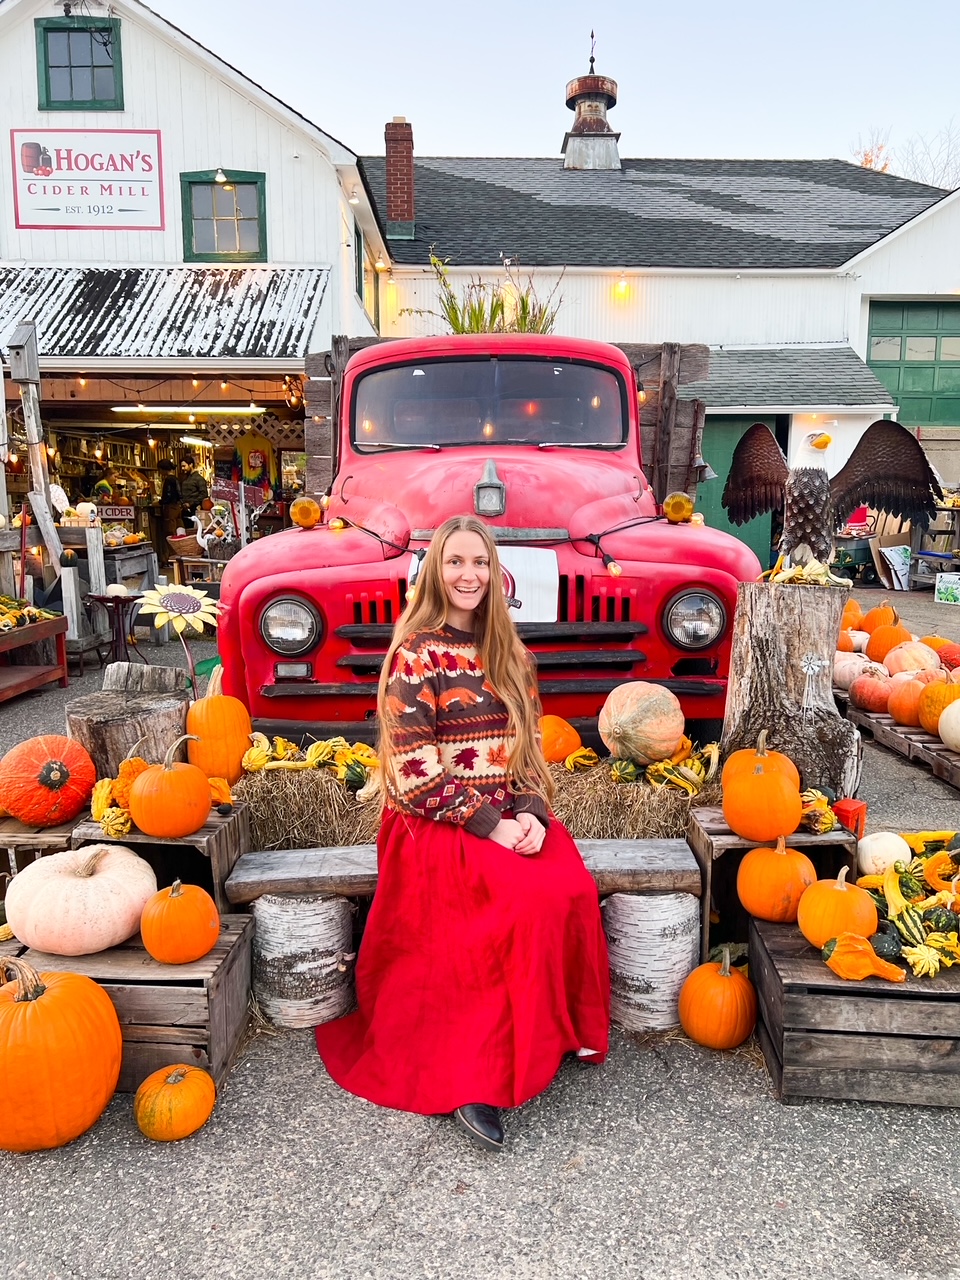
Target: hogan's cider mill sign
(87, 179)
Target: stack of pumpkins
(60, 1039)
(886, 669)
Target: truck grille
(616, 602)
(374, 606)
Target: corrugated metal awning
(157, 313)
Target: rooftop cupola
(591, 143)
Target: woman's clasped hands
(524, 834)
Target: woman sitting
(484, 960)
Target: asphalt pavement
(669, 1162)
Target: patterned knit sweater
(451, 744)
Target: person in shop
(193, 485)
(105, 490)
(171, 502)
(483, 961)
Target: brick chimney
(398, 136)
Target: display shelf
(15, 680)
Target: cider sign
(87, 179)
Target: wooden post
(96, 570)
(7, 580)
(666, 417)
(781, 680)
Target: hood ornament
(490, 493)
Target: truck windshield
(488, 401)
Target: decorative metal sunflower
(183, 607)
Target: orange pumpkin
(559, 737)
(771, 881)
(934, 698)
(171, 800)
(180, 924)
(845, 643)
(832, 907)
(935, 643)
(884, 638)
(852, 616)
(60, 1049)
(718, 1005)
(904, 702)
(884, 615)
(221, 726)
(870, 691)
(174, 1102)
(762, 804)
(745, 760)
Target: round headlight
(694, 620)
(290, 626)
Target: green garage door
(914, 350)
(721, 435)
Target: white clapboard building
(828, 293)
(179, 235)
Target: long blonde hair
(506, 663)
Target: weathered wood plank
(139, 1033)
(626, 866)
(765, 978)
(230, 1001)
(929, 1089)
(140, 1004)
(833, 1052)
(141, 1060)
(130, 963)
(710, 822)
(866, 1013)
(770, 1051)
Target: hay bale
(309, 808)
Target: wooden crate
(194, 1013)
(20, 845)
(711, 839)
(870, 1041)
(205, 858)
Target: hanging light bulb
(611, 566)
(14, 456)
(192, 417)
(98, 451)
(641, 394)
(82, 381)
(151, 442)
(196, 382)
(224, 385)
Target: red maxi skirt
(479, 970)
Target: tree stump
(303, 958)
(110, 724)
(781, 680)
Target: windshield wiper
(391, 444)
(577, 444)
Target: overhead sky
(745, 78)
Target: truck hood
(545, 488)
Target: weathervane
(593, 45)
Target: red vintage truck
(540, 437)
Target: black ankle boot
(482, 1123)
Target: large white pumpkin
(880, 850)
(948, 726)
(641, 721)
(80, 901)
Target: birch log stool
(781, 680)
(302, 958)
(137, 704)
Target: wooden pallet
(872, 1041)
(912, 743)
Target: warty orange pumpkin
(46, 780)
(641, 721)
(932, 702)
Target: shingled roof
(708, 214)
(810, 377)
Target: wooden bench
(618, 866)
